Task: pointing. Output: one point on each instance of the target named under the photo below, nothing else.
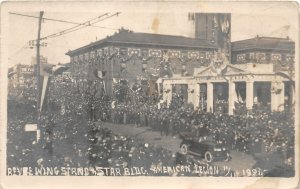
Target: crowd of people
(259, 131)
(70, 137)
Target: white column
(277, 96)
(249, 94)
(165, 86)
(292, 93)
(191, 93)
(158, 82)
(210, 97)
(169, 96)
(167, 93)
(232, 97)
(197, 96)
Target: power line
(86, 23)
(59, 20)
(80, 26)
(92, 23)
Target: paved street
(238, 162)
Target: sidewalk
(240, 161)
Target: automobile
(203, 147)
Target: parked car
(204, 147)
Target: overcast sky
(270, 20)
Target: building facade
(22, 75)
(261, 74)
(208, 71)
(136, 57)
(22, 79)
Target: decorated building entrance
(235, 87)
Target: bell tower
(214, 27)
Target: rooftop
(128, 37)
(265, 43)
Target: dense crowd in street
(255, 132)
(72, 136)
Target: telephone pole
(38, 66)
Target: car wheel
(208, 157)
(184, 149)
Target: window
(155, 53)
(260, 56)
(193, 54)
(208, 55)
(92, 54)
(241, 57)
(145, 52)
(252, 56)
(99, 52)
(114, 50)
(81, 57)
(132, 51)
(289, 57)
(123, 51)
(174, 54)
(86, 56)
(202, 55)
(276, 57)
(105, 51)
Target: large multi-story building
(22, 75)
(209, 67)
(131, 56)
(141, 56)
(260, 74)
(22, 79)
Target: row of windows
(143, 53)
(262, 56)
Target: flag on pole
(46, 71)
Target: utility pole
(38, 66)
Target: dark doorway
(221, 97)
(262, 93)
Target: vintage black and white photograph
(151, 91)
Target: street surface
(240, 161)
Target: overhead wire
(59, 20)
(89, 23)
(86, 23)
(79, 26)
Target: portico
(247, 84)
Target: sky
(272, 20)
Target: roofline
(261, 37)
(260, 48)
(84, 48)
